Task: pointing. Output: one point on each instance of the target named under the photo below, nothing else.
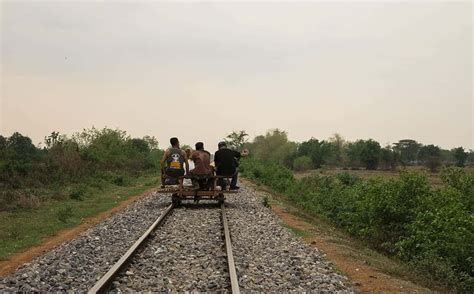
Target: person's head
(174, 142)
(199, 146)
(188, 152)
(222, 144)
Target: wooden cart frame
(180, 192)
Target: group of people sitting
(196, 165)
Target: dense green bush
(347, 178)
(302, 163)
(442, 228)
(94, 156)
(64, 160)
(270, 174)
(463, 182)
(430, 228)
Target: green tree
(105, 147)
(460, 156)
(408, 150)
(3, 143)
(273, 147)
(317, 151)
(17, 159)
(21, 147)
(3, 149)
(470, 156)
(53, 140)
(354, 151)
(389, 157)
(370, 154)
(140, 145)
(430, 155)
(337, 155)
(151, 141)
(237, 139)
(447, 156)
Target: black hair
(174, 141)
(199, 146)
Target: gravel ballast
(185, 253)
(75, 265)
(270, 258)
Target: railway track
(104, 284)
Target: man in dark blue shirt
(227, 163)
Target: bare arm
(163, 160)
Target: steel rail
(234, 282)
(104, 282)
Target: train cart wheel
(175, 199)
(221, 198)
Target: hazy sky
(382, 70)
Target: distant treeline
(275, 147)
(90, 153)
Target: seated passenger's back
(202, 162)
(226, 161)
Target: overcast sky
(381, 70)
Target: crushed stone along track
(185, 253)
(270, 258)
(76, 264)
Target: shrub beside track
(430, 228)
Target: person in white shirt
(188, 182)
